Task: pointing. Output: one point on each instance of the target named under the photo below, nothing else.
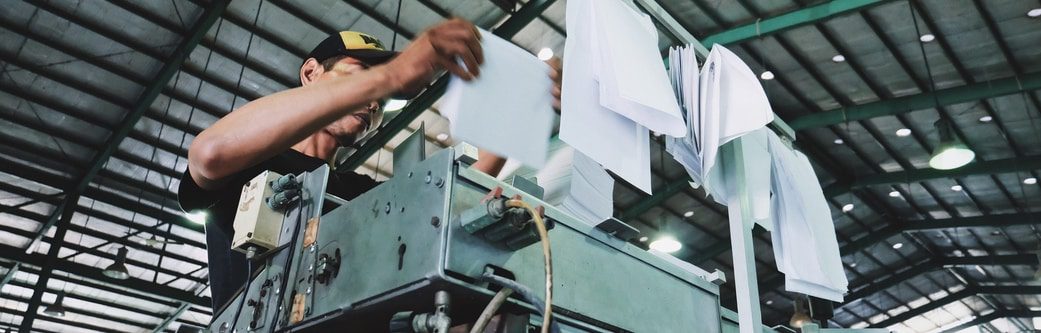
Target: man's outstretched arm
(272, 124)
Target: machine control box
(257, 224)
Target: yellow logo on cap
(359, 41)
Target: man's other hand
(438, 48)
(556, 73)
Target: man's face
(358, 123)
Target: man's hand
(556, 73)
(436, 49)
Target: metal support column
(739, 205)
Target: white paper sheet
(805, 246)
(733, 104)
(508, 109)
(616, 142)
(683, 69)
(632, 77)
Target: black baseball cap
(364, 47)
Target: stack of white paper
(722, 101)
(577, 185)
(683, 69)
(615, 88)
(732, 103)
(508, 109)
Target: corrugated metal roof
(71, 70)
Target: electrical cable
(526, 293)
(235, 95)
(245, 293)
(547, 256)
(490, 309)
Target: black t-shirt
(228, 268)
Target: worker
(344, 83)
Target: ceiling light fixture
(847, 208)
(118, 269)
(197, 216)
(986, 119)
(545, 54)
(903, 132)
(951, 153)
(897, 246)
(395, 104)
(838, 58)
(800, 317)
(643, 239)
(927, 38)
(1030, 181)
(894, 194)
(666, 244)
(956, 188)
(441, 136)
(56, 309)
(1036, 12)
(839, 141)
(689, 213)
(767, 76)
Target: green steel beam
(888, 282)
(934, 264)
(980, 320)
(170, 319)
(969, 291)
(791, 20)
(10, 274)
(996, 220)
(651, 201)
(722, 247)
(527, 13)
(1009, 290)
(66, 209)
(957, 296)
(1010, 165)
(905, 104)
(144, 101)
(994, 260)
(50, 261)
(894, 228)
(92, 273)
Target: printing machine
(427, 249)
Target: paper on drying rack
(632, 77)
(733, 104)
(805, 246)
(616, 142)
(508, 109)
(683, 69)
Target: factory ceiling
(100, 100)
